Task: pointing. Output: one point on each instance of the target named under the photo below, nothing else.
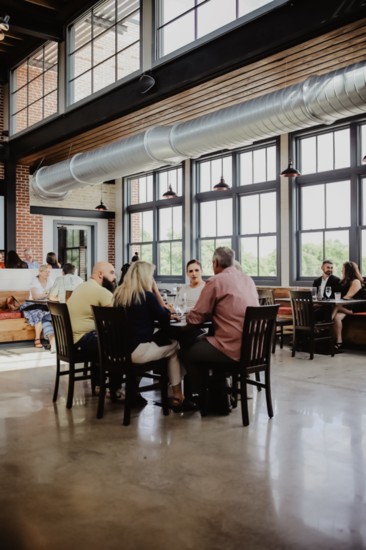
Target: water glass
(314, 292)
(337, 295)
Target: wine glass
(328, 291)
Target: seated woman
(13, 261)
(51, 260)
(143, 307)
(351, 283)
(189, 294)
(38, 315)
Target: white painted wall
(21, 279)
(119, 226)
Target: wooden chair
(305, 327)
(65, 351)
(115, 359)
(266, 298)
(258, 329)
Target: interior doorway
(75, 245)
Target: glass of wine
(328, 291)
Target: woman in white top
(189, 294)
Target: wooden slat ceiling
(334, 50)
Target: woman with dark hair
(189, 293)
(350, 285)
(13, 261)
(125, 267)
(52, 260)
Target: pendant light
(222, 185)
(170, 194)
(101, 206)
(290, 171)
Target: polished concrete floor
(69, 481)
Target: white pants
(149, 351)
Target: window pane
(142, 228)
(363, 251)
(363, 204)
(338, 204)
(249, 210)
(206, 252)
(82, 87)
(211, 16)
(205, 183)
(81, 60)
(104, 46)
(170, 9)
(271, 163)
(35, 112)
(208, 219)
(363, 141)
(336, 247)
(325, 152)
(128, 31)
(268, 212)
(177, 222)
(312, 253)
(104, 74)
(259, 161)
(50, 104)
(165, 224)
(249, 255)
(225, 217)
(267, 257)
(170, 177)
(342, 149)
(128, 61)
(50, 81)
(312, 207)
(308, 155)
(247, 6)
(141, 189)
(80, 34)
(170, 259)
(246, 168)
(177, 34)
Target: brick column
(29, 227)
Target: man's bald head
(103, 273)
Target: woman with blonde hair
(143, 307)
(351, 283)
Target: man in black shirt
(327, 279)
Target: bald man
(97, 291)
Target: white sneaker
(53, 347)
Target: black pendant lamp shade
(222, 185)
(170, 194)
(101, 206)
(290, 171)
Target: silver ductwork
(317, 100)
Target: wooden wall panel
(334, 50)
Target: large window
(103, 47)
(155, 224)
(181, 22)
(331, 203)
(34, 88)
(245, 216)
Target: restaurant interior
(165, 129)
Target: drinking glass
(328, 291)
(314, 292)
(337, 295)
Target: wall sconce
(290, 171)
(4, 26)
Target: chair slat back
(302, 308)
(62, 328)
(259, 325)
(265, 297)
(113, 335)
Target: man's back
(79, 304)
(225, 297)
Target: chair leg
(294, 343)
(244, 401)
(267, 378)
(281, 337)
(203, 397)
(70, 391)
(130, 393)
(234, 390)
(57, 381)
(164, 392)
(258, 379)
(274, 341)
(311, 347)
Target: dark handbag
(12, 304)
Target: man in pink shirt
(224, 300)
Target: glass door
(75, 247)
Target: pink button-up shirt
(224, 299)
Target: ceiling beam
(33, 20)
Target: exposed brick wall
(111, 241)
(29, 227)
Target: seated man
(97, 291)
(327, 279)
(223, 299)
(67, 281)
